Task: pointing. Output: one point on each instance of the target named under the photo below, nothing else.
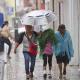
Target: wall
(74, 29)
(70, 19)
(79, 31)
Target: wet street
(57, 23)
(14, 69)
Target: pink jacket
(48, 49)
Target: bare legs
(62, 69)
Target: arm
(71, 50)
(18, 41)
(16, 46)
(70, 46)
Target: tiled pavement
(14, 69)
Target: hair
(61, 26)
(5, 23)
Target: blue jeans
(28, 58)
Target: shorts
(62, 59)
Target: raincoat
(64, 45)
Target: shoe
(5, 62)
(64, 72)
(60, 77)
(45, 75)
(8, 57)
(27, 76)
(50, 76)
(31, 75)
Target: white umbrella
(38, 17)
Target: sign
(10, 4)
(1, 19)
(10, 10)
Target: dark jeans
(7, 41)
(29, 58)
(49, 58)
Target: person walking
(64, 49)
(46, 42)
(29, 40)
(47, 58)
(5, 35)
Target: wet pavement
(1, 69)
(15, 70)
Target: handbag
(33, 49)
(32, 46)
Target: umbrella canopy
(38, 17)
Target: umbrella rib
(36, 16)
(47, 14)
(30, 16)
(39, 16)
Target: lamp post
(15, 23)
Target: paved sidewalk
(1, 69)
(14, 69)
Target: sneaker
(31, 75)
(44, 74)
(27, 76)
(50, 76)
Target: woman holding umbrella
(38, 18)
(29, 40)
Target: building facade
(68, 13)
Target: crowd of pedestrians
(59, 45)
